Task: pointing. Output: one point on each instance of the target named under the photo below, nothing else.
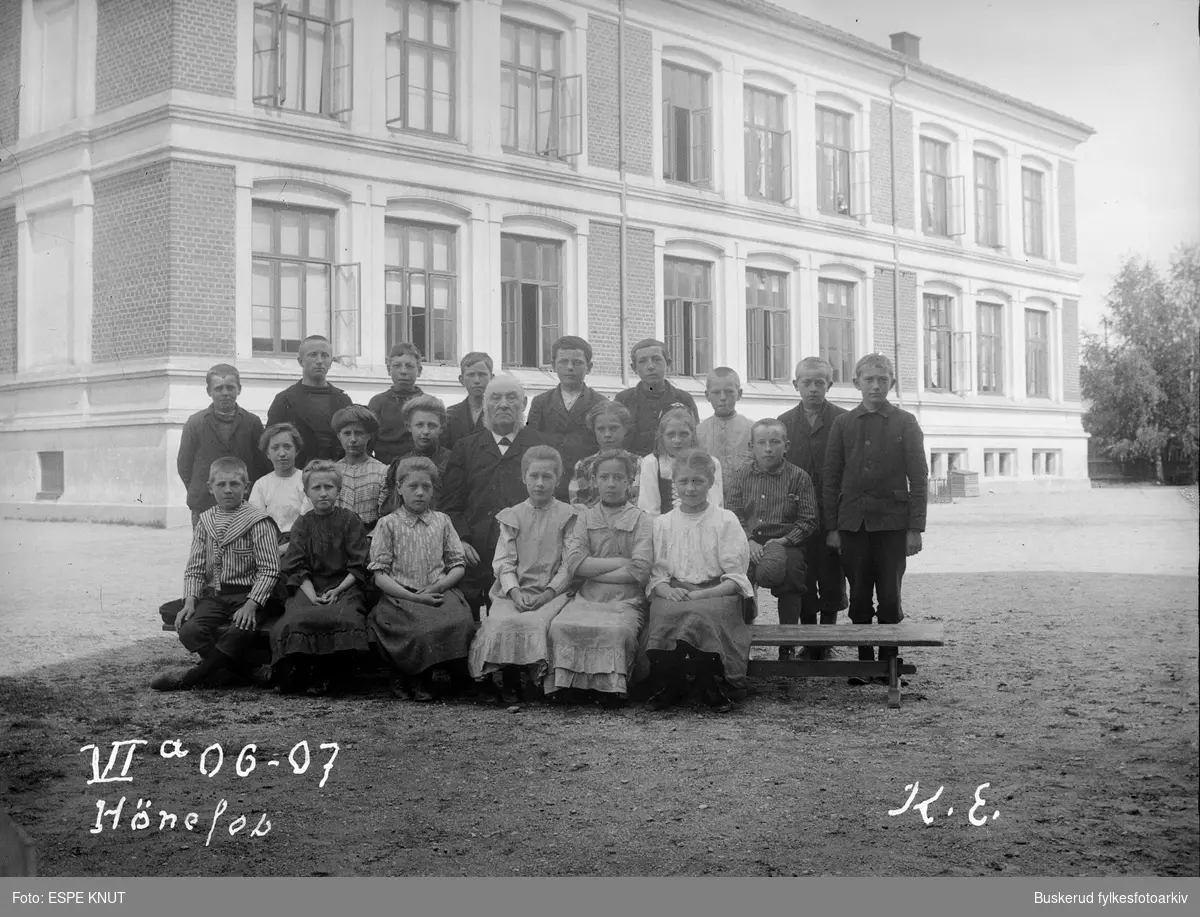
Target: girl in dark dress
(323, 626)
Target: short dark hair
(274, 430)
(617, 455)
(222, 369)
(476, 356)
(541, 454)
(404, 349)
(570, 342)
(426, 403)
(642, 345)
(768, 422)
(311, 337)
(355, 413)
(608, 408)
(320, 466)
(227, 464)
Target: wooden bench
(829, 635)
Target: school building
(189, 181)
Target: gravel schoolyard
(1068, 683)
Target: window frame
(401, 40)
(699, 121)
(394, 335)
(847, 322)
(765, 179)
(510, 285)
(939, 341)
(993, 341)
(52, 475)
(275, 259)
(1035, 347)
(564, 139)
(846, 169)
(984, 223)
(336, 79)
(773, 320)
(684, 317)
(1033, 213)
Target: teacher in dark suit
(483, 477)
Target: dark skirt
(309, 629)
(412, 637)
(715, 627)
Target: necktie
(505, 442)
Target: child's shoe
(168, 681)
(401, 687)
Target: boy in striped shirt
(231, 572)
(777, 506)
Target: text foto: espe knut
(69, 898)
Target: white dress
(652, 471)
(283, 499)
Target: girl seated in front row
(594, 640)
(323, 627)
(422, 622)
(700, 598)
(656, 489)
(531, 580)
(280, 494)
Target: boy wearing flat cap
(775, 502)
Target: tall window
(990, 318)
(687, 303)
(938, 343)
(833, 162)
(1033, 203)
(1037, 354)
(687, 126)
(53, 54)
(935, 191)
(768, 147)
(531, 299)
(293, 269)
(835, 326)
(419, 288)
(987, 201)
(420, 66)
(303, 57)
(767, 356)
(539, 108)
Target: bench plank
(823, 668)
(923, 634)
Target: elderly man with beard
(483, 477)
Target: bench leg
(894, 682)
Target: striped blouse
(361, 486)
(415, 551)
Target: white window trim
(934, 130)
(31, 65)
(789, 266)
(991, 296)
(1003, 157)
(716, 256)
(299, 192)
(765, 81)
(953, 289)
(463, 101)
(1038, 303)
(860, 142)
(1049, 192)
(431, 212)
(693, 59)
(846, 272)
(572, 308)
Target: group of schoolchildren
(583, 550)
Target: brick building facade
(198, 185)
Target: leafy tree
(1142, 381)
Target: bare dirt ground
(1068, 683)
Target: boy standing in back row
(310, 404)
(808, 426)
(466, 417)
(560, 414)
(223, 428)
(726, 435)
(652, 397)
(874, 497)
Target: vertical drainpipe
(622, 282)
(895, 232)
